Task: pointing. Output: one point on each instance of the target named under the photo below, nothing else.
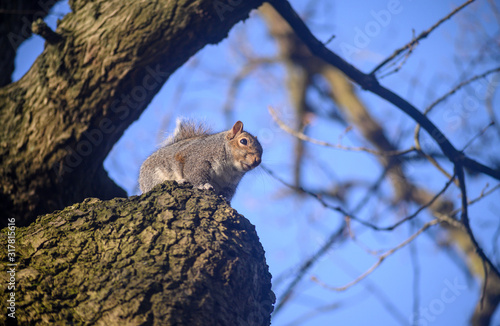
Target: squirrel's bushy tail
(186, 129)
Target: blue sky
(292, 228)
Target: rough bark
(61, 119)
(15, 27)
(174, 256)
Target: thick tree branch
(173, 256)
(63, 117)
(15, 27)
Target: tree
(297, 46)
(60, 121)
(63, 117)
(112, 57)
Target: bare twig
(429, 158)
(495, 10)
(490, 95)
(421, 208)
(484, 194)
(416, 275)
(305, 267)
(479, 134)
(249, 67)
(381, 258)
(304, 137)
(319, 199)
(369, 82)
(330, 39)
(403, 61)
(374, 289)
(439, 100)
(459, 86)
(316, 311)
(422, 35)
(350, 215)
(487, 264)
(471, 202)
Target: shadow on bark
(174, 256)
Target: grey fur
(207, 161)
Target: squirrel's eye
(243, 141)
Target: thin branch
(371, 190)
(353, 217)
(479, 134)
(479, 251)
(495, 10)
(248, 68)
(416, 275)
(459, 86)
(305, 267)
(380, 260)
(330, 39)
(484, 194)
(319, 199)
(369, 82)
(439, 100)
(422, 35)
(316, 311)
(421, 208)
(304, 137)
(490, 95)
(372, 288)
(429, 158)
(403, 61)
(447, 217)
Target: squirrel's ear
(237, 128)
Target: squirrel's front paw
(206, 186)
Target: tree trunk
(93, 79)
(174, 256)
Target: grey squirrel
(207, 161)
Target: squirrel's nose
(256, 161)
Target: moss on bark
(173, 256)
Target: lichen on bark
(173, 256)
